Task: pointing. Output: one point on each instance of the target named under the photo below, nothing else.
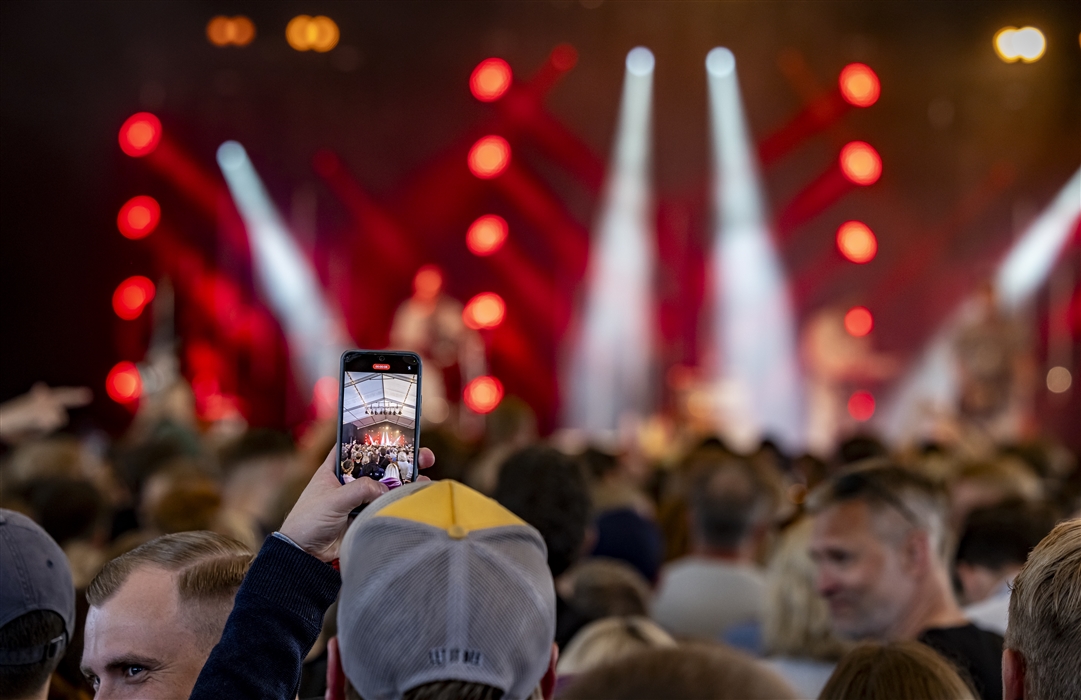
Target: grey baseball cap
(34, 575)
(441, 583)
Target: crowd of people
(187, 560)
(392, 465)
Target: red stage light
(861, 405)
(564, 57)
(860, 163)
(857, 242)
(486, 310)
(489, 157)
(483, 394)
(140, 134)
(486, 234)
(859, 321)
(859, 85)
(123, 383)
(132, 296)
(491, 78)
(138, 217)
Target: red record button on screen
(379, 366)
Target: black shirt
(976, 653)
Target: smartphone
(379, 416)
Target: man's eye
(92, 680)
(133, 671)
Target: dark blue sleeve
(275, 621)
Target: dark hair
(860, 447)
(727, 500)
(545, 487)
(255, 444)
(34, 629)
(66, 508)
(1003, 535)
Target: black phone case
(348, 354)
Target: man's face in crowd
(141, 642)
(862, 576)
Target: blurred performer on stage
(430, 324)
(994, 371)
(836, 363)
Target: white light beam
(607, 372)
(755, 332)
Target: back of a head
(907, 670)
(442, 584)
(254, 445)
(1002, 536)
(604, 587)
(728, 500)
(688, 672)
(860, 447)
(37, 606)
(610, 639)
(545, 487)
(890, 488)
(1045, 615)
(797, 619)
(208, 567)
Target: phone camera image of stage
(378, 427)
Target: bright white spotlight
(720, 62)
(640, 61)
(754, 332)
(607, 367)
(1032, 257)
(313, 329)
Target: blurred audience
(719, 584)
(545, 488)
(994, 544)
(797, 636)
(907, 669)
(1043, 639)
(881, 543)
(791, 558)
(608, 640)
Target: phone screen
(380, 417)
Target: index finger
(425, 458)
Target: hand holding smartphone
(379, 416)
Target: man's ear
(335, 674)
(548, 683)
(1013, 675)
(917, 550)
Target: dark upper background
(394, 93)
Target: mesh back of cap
(419, 606)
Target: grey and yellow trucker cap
(442, 583)
(34, 575)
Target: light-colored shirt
(703, 597)
(992, 612)
(806, 676)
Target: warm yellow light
(223, 31)
(1058, 380)
(306, 33)
(1026, 44)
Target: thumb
(356, 493)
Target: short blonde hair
(208, 567)
(797, 620)
(611, 639)
(906, 669)
(1045, 615)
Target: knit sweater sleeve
(276, 619)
